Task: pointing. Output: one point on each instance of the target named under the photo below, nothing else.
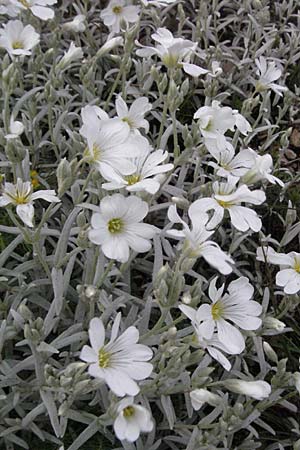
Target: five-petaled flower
(289, 275)
(22, 196)
(196, 239)
(131, 420)
(234, 306)
(18, 39)
(121, 361)
(118, 226)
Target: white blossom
(118, 227)
(201, 396)
(148, 165)
(22, 196)
(268, 72)
(109, 45)
(131, 420)
(77, 24)
(118, 12)
(259, 390)
(196, 239)
(228, 164)
(289, 275)
(18, 39)
(261, 169)
(234, 307)
(16, 128)
(72, 54)
(174, 52)
(227, 197)
(39, 8)
(214, 346)
(110, 142)
(215, 120)
(121, 361)
(134, 116)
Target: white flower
(135, 115)
(215, 120)
(261, 169)
(196, 239)
(214, 346)
(6, 7)
(39, 8)
(109, 45)
(143, 179)
(118, 227)
(118, 12)
(121, 361)
(77, 24)
(228, 197)
(235, 306)
(132, 420)
(259, 390)
(16, 129)
(174, 52)
(72, 54)
(268, 72)
(228, 164)
(289, 276)
(17, 39)
(22, 196)
(110, 143)
(201, 396)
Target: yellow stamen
(17, 45)
(117, 9)
(24, 3)
(297, 265)
(128, 411)
(217, 310)
(103, 358)
(132, 179)
(115, 225)
(224, 204)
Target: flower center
(217, 310)
(92, 155)
(224, 204)
(129, 121)
(24, 3)
(170, 60)
(297, 265)
(103, 358)
(17, 45)
(117, 9)
(128, 411)
(209, 126)
(132, 179)
(115, 225)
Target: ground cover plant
(149, 220)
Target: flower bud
(258, 390)
(270, 352)
(109, 45)
(64, 176)
(201, 396)
(273, 324)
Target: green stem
(105, 273)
